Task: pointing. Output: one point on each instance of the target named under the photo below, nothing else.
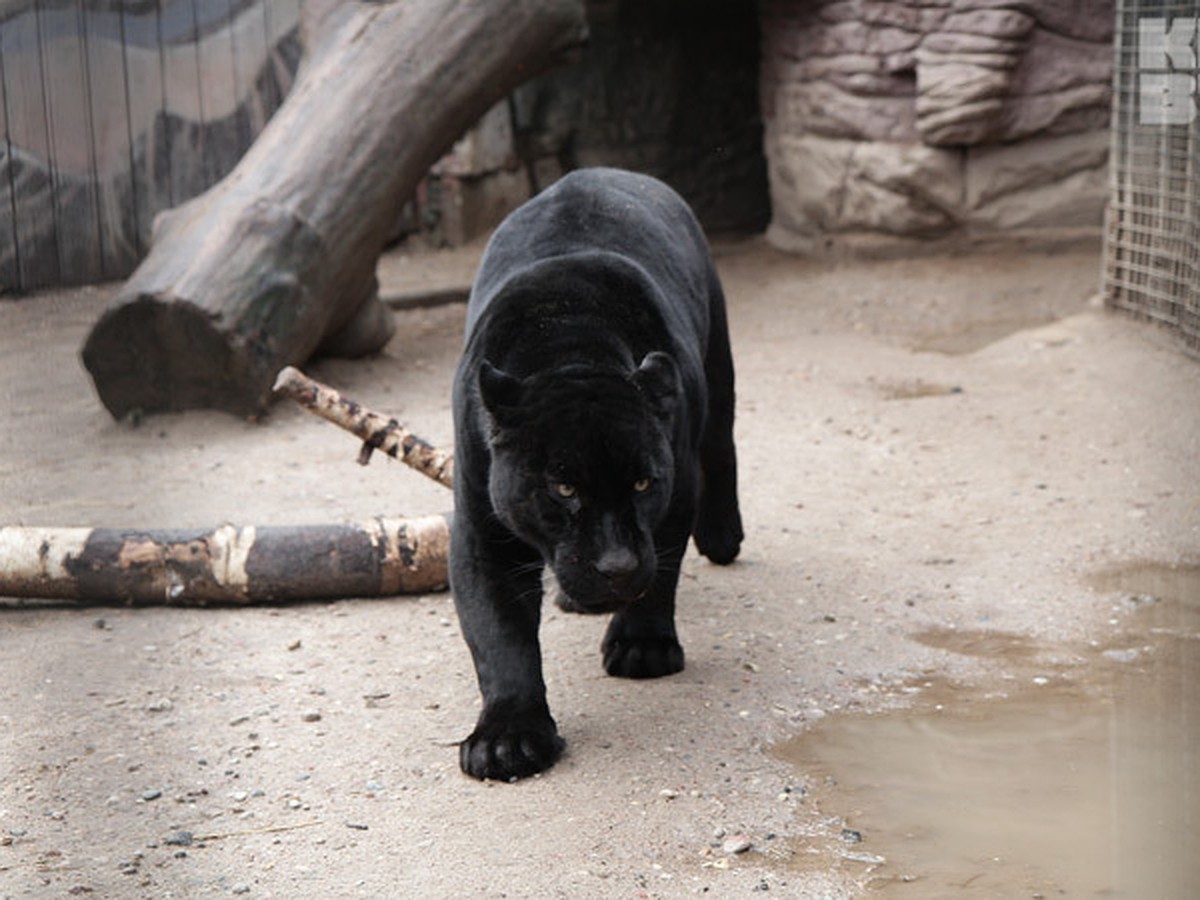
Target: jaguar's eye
(564, 490)
(642, 485)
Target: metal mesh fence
(1152, 252)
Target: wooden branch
(378, 558)
(246, 832)
(378, 432)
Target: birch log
(237, 565)
(278, 259)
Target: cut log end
(193, 365)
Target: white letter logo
(1167, 70)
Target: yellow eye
(642, 485)
(565, 490)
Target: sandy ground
(927, 445)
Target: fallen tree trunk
(378, 432)
(278, 259)
(378, 558)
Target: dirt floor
(944, 461)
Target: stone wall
(934, 118)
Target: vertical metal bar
(29, 130)
(136, 201)
(67, 113)
(10, 248)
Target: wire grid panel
(1152, 247)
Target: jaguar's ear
(501, 394)
(658, 380)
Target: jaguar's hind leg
(718, 527)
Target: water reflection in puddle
(1078, 778)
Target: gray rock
(735, 844)
(921, 118)
(1001, 23)
(993, 172)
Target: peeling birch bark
(378, 432)
(240, 565)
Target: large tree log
(278, 259)
(379, 558)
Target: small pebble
(850, 836)
(161, 705)
(179, 839)
(357, 826)
(870, 859)
(735, 844)
(152, 794)
(240, 889)
(1121, 656)
(668, 794)
(311, 716)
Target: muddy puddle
(1075, 773)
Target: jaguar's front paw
(653, 656)
(511, 748)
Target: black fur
(593, 410)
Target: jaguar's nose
(617, 563)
